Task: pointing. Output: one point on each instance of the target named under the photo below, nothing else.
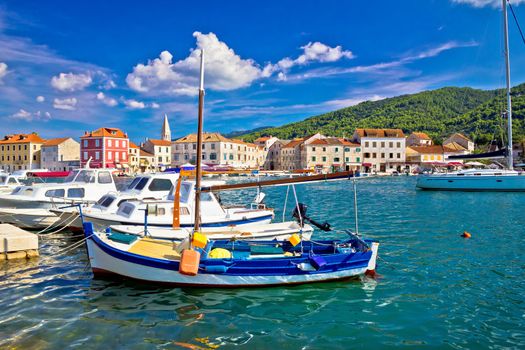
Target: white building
(384, 150)
(161, 150)
(61, 154)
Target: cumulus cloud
(71, 82)
(22, 114)
(155, 105)
(312, 52)
(484, 3)
(40, 99)
(106, 100)
(3, 70)
(68, 104)
(225, 70)
(134, 104)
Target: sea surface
(436, 289)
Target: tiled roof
(334, 141)
(262, 139)
(461, 136)
(132, 145)
(55, 142)
(106, 132)
(455, 147)
(293, 143)
(145, 154)
(436, 149)
(206, 137)
(421, 135)
(160, 142)
(22, 138)
(380, 133)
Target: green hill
(438, 112)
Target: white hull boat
(474, 180)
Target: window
(324, 159)
(382, 155)
(86, 143)
(110, 143)
(358, 149)
(104, 177)
(313, 149)
(337, 149)
(347, 149)
(398, 144)
(336, 159)
(124, 143)
(117, 143)
(12, 181)
(231, 156)
(212, 146)
(85, 155)
(123, 155)
(160, 185)
(374, 144)
(324, 149)
(347, 159)
(390, 144)
(314, 159)
(142, 183)
(105, 201)
(194, 146)
(97, 143)
(399, 155)
(374, 155)
(382, 144)
(117, 156)
(225, 156)
(213, 156)
(25, 147)
(97, 155)
(110, 155)
(203, 155)
(159, 159)
(55, 193)
(75, 193)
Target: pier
(16, 243)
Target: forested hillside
(437, 112)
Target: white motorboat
(160, 213)
(483, 179)
(8, 183)
(28, 206)
(152, 187)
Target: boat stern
(371, 268)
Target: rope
(516, 20)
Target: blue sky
(66, 67)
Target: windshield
(2, 179)
(133, 183)
(142, 183)
(71, 176)
(86, 176)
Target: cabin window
(104, 177)
(106, 201)
(161, 211)
(160, 185)
(12, 180)
(142, 183)
(206, 197)
(75, 193)
(134, 183)
(55, 193)
(127, 209)
(185, 190)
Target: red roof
(132, 145)
(106, 132)
(160, 142)
(380, 133)
(55, 142)
(23, 138)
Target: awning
(455, 164)
(367, 164)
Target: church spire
(166, 132)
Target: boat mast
(198, 173)
(510, 162)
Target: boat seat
(155, 248)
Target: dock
(16, 243)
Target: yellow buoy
(199, 240)
(220, 253)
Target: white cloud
(3, 70)
(68, 104)
(40, 99)
(22, 114)
(225, 70)
(312, 52)
(484, 3)
(71, 81)
(155, 105)
(106, 100)
(134, 104)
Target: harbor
(435, 287)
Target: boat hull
(32, 219)
(106, 262)
(503, 183)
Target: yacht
(28, 205)
(483, 179)
(160, 213)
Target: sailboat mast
(198, 174)
(510, 162)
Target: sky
(71, 66)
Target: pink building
(107, 148)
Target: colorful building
(383, 149)
(20, 152)
(60, 154)
(106, 147)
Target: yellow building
(20, 152)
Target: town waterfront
(436, 288)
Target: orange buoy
(466, 235)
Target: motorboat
(8, 183)
(28, 205)
(151, 187)
(160, 212)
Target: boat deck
(154, 248)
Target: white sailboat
(483, 179)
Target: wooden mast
(199, 149)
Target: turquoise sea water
(436, 289)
